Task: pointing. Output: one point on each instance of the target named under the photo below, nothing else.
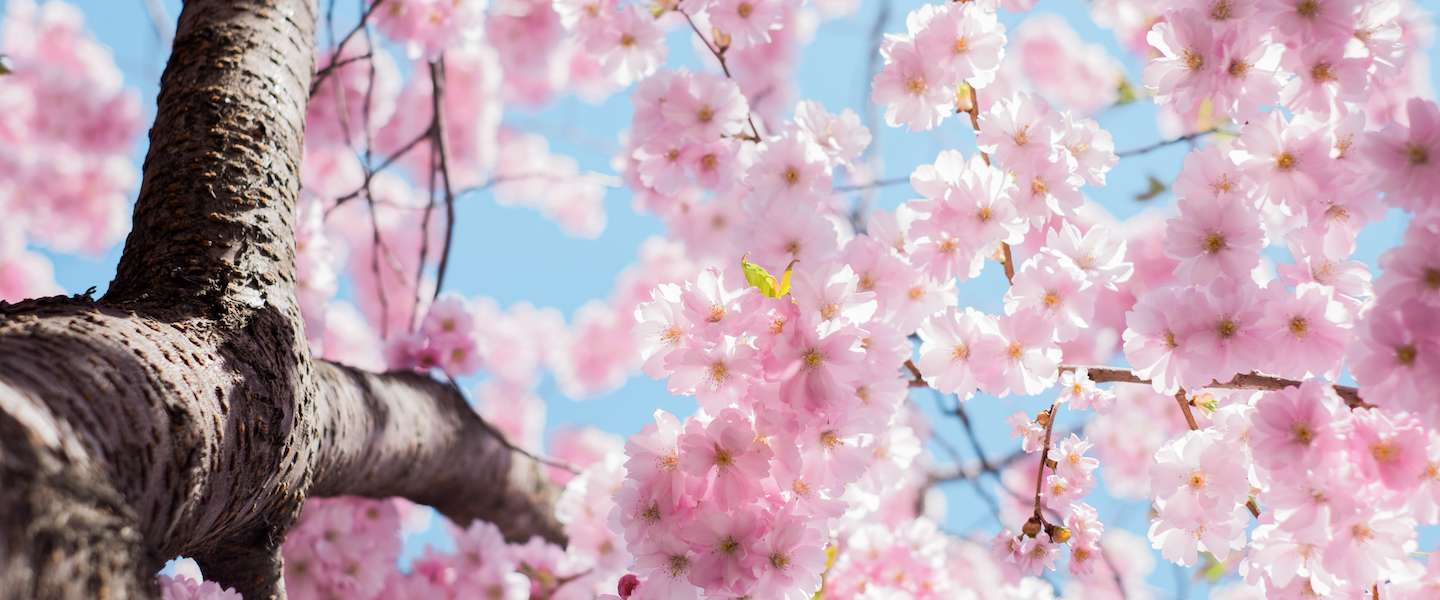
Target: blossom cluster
(799, 325)
(67, 123)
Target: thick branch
(404, 434)
(213, 223)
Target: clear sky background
(513, 254)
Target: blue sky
(513, 254)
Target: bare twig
(437, 82)
(505, 441)
(159, 20)
(1189, 137)
(335, 61)
(1185, 410)
(878, 183)
(1243, 381)
(1044, 459)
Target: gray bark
(182, 413)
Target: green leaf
(1124, 93)
(1211, 570)
(1154, 189)
(757, 276)
(785, 279)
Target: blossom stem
(1044, 459)
(1185, 409)
(1242, 381)
(1008, 260)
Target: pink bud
(628, 584)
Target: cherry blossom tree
(1233, 365)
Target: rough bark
(182, 413)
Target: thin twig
(878, 183)
(1189, 137)
(437, 82)
(159, 20)
(324, 72)
(719, 54)
(505, 441)
(1185, 409)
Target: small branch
(159, 20)
(335, 61)
(437, 82)
(384, 164)
(878, 183)
(1243, 381)
(1044, 459)
(1189, 137)
(917, 380)
(1185, 409)
(1008, 263)
(974, 439)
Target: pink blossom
(1390, 447)
(1183, 528)
(1407, 155)
(1396, 358)
(1026, 357)
(1310, 21)
(1053, 289)
(704, 107)
(1214, 238)
(952, 344)
(1412, 269)
(1080, 393)
(1155, 333)
(1297, 425)
(1228, 337)
(1036, 554)
(726, 452)
(790, 169)
(910, 88)
(1325, 77)
(1288, 160)
(429, 27)
(830, 294)
(726, 547)
(1202, 469)
(1307, 332)
(1187, 71)
(791, 560)
(841, 137)
(816, 365)
(1064, 69)
(966, 41)
(747, 22)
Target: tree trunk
(182, 413)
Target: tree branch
(408, 435)
(1243, 381)
(182, 413)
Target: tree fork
(182, 413)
